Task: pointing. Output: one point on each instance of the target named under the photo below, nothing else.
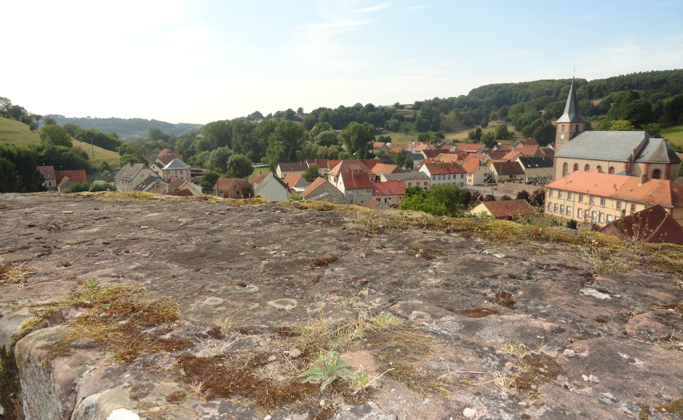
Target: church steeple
(570, 123)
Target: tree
(679, 173)
(484, 122)
(393, 125)
(80, 187)
(239, 166)
(9, 178)
(489, 139)
(439, 135)
(523, 195)
(320, 127)
(289, 114)
(55, 135)
(208, 181)
(284, 143)
(505, 198)
(37, 118)
(440, 200)
(71, 129)
(49, 121)
(537, 198)
(471, 136)
(358, 139)
(488, 197)
(654, 129)
(104, 167)
(218, 159)
(621, 125)
(545, 134)
(501, 131)
(25, 163)
(311, 173)
(300, 111)
(103, 187)
(423, 137)
(478, 134)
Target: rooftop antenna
(574, 74)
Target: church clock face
(562, 136)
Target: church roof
(571, 109)
(657, 150)
(604, 145)
(176, 164)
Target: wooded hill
(127, 129)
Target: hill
(17, 133)
(127, 129)
(439, 316)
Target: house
(183, 188)
(441, 173)
(411, 179)
(547, 152)
(270, 187)
(383, 168)
(477, 148)
(176, 169)
(424, 162)
(148, 183)
(379, 146)
(65, 184)
(416, 157)
(346, 166)
(477, 174)
(434, 153)
(505, 209)
(497, 155)
(78, 175)
(297, 168)
(537, 169)
(528, 151)
(163, 158)
(652, 225)
(296, 183)
(502, 148)
(458, 157)
(356, 186)
(511, 156)
(598, 198)
(376, 205)
(414, 145)
(132, 174)
(483, 159)
(506, 170)
(390, 193)
(48, 173)
(448, 148)
(196, 174)
(233, 188)
(396, 149)
(323, 190)
(633, 153)
(322, 164)
(526, 142)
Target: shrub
(103, 187)
(505, 198)
(80, 187)
(295, 196)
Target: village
(619, 182)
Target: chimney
(643, 178)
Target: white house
(441, 173)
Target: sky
(205, 60)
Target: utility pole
(93, 149)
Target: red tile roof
(48, 172)
(76, 176)
(349, 166)
(314, 186)
(356, 180)
(474, 156)
(396, 149)
(471, 166)
(467, 147)
(434, 153)
(258, 178)
(320, 163)
(504, 147)
(424, 162)
(528, 151)
(507, 168)
(444, 168)
(527, 142)
(653, 225)
(511, 155)
(388, 188)
(595, 182)
(508, 208)
(224, 184)
(378, 145)
(655, 191)
(291, 180)
(497, 155)
(383, 168)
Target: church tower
(570, 123)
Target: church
(632, 153)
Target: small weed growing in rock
(383, 320)
(515, 348)
(505, 383)
(15, 273)
(360, 381)
(330, 368)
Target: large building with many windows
(632, 153)
(597, 198)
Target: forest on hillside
(126, 128)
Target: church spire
(571, 110)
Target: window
(609, 218)
(425, 183)
(564, 169)
(580, 214)
(569, 211)
(569, 196)
(618, 205)
(656, 174)
(602, 217)
(594, 216)
(587, 168)
(586, 214)
(580, 198)
(410, 184)
(550, 194)
(633, 208)
(555, 208)
(562, 209)
(590, 201)
(577, 127)
(576, 167)
(599, 168)
(602, 202)
(562, 127)
(611, 170)
(559, 195)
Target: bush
(80, 187)
(571, 224)
(488, 197)
(295, 196)
(103, 187)
(505, 198)
(537, 198)
(523, 195)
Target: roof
(423, 162)
(415, 156)
(159, 188)
(433, 153)
(64, 180)
(536, 162)
(655, 191)
(292, 179)
(471, 166)
(129, 170)
(348, 166)
(571, 108)
(604, 145)
(679, 181)
(356, 181)
(225, 184)
(258, 178)
(547, 151)
(474, 156)
(269, 176)
(176, 164)
(314, 186)
(48, 172)
(396, 149)
(594, 182)
(507, 168)
(383, 168)
(320, 163)
(653, 224)
(408, 176)
(444, 168)
(503, 147)
(370, 163)
(657, 150)
(452, 157)
(423, 147)
(527, 150)
(508, 208)
(147, 182)
(76, 176)
(371, 204)
(389, 188)
(379, 144)
(513, 154)
(526, 142)
(497, 155)
(467, 147)
(293, 167)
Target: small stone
(144, 227)
(594, 379)
(417, 255)
(362, 255)
(470, 413)
(67, 212)
(569, 353)
(272, 358)
(123, 414)
(585, 378)
(294, 353)
(322, 403)
(267, 417)
(608, 395)
(508, 365)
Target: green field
(674, 135)
(17, 133)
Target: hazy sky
(204, 60)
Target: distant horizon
(178, 60)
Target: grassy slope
(402, 139)
(674, 135)
(17, 133)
